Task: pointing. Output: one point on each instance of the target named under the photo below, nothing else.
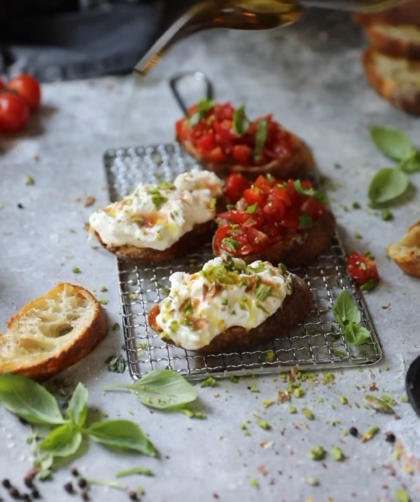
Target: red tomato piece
(225, 130)
(291, 219)
(206, 144)
(236, 184)
(258, 240)
(1, 84)
(274, 207)
(281, 194)
(242, 154)
(217, 155)
(14, 112)
(263, 184)
(254, 195)
(361, 268)
(224, 112)
(28, 87)
(313, 208)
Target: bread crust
(297, 166)
(391, 46)
(407, 12)
(297, 248)
(199, 235)
(73, 352)
(293, 311)
(406, 254)
(402, 97)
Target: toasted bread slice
(197, 237)
(407, 12)
(52, 333)
(293, 311)
(300, 163)
(396, 41)
(406, 253)
(395, 79)
(297, 248)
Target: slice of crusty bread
(406, 253)
(52, 333)
(395, 79)
(407, 12)
(397, 41)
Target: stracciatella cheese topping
(226, 293)
(157, 216)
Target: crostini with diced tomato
(276, 221)
(225, 141)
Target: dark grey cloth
(73, 44)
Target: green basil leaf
(78, 405)
(240, 121)
(410, 164)
(252, 209)
(370, 285)
(203, 107)
(62, 442)
(161, 389)
(345, 310)
(305, 221)
(310, 192)
(260, 137)
(28, 399)
(391, 142)
(121, 434)
(388, 184)
(356, 334)
(231, 243)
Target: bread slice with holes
(52, 333)
(406, 253)
(395, 79)
(396, 41)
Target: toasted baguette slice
(406, 12)
(395, 79)
(300, 163)
(396, 41)
(293, 311)
(52, 333)
(199, 235)
(298, 248)
(406, 253)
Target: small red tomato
(28, 87)
(216, 155)
(1, 84)
(236, 184)
(14, 112)
(361, 268)
(206, 144)
(242, 154)
(313, 207)
(254, 195)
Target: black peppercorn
(75, 472)
(28, 481)
(82, 483)
(85, 496)
(353, 431)
(133, 495)
(69, 488)
(14, 492)
(20, 206)
(35, 494)
(26, 497)
(390, 437)
(6, 483)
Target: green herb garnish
(252, 209)
(310, 192)
(240, 121)
(208, 382)
(203, 107)
(305, 221)
(231, 243)
(260, 138)
(116, 364)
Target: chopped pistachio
(386, 368)
(397, 454)
(356, 404)
(268, 402)
(263, 424)
(345, 432)
(358, 235)
(356, 205)
(335, 422)
(29, 180)
(320, 400)
(133, 296)
(209, 382)
(246, 432)
(292, 409)
(404, 399)
(328, 378)
(309, 415)
(187, 412)
(337, 454)
(298, 392)
(333, 407)
(270, 356)
(343, 400)
(103, 289)
(234, 379)
(200, 416)
(317, 453)
(254, 483)
(115, 326)
(386, 214)
(76, 270)
(254, 388)
(378, 404)
(370, 433)
(408, 469)
(103, 301)
(216, 394)
(402, 496)
(312, 481)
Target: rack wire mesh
(313, 345)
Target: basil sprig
(348, 317)
(161, 389)
(203, 107)
(240, 121)
(30, 400)
(389, 183)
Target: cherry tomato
(224, 112)
(275, 207)
(258, 240)
(361, 268)
(242, 154)
(313, 208)
(281, 194)
(236, 184)
(14, 112)
(263, 184)
(28, 87)
(217, 155)
(206, 144)
(254, 195)
(225, 130)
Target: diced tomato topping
(266, 212)
(217, 155)
(206, 144)
(362, 268)
(242, 154)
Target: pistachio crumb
(317, 453)
(337, 454)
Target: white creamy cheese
(225, 293)
(157, 216)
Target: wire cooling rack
(315, 344)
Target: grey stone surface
(311, 78)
